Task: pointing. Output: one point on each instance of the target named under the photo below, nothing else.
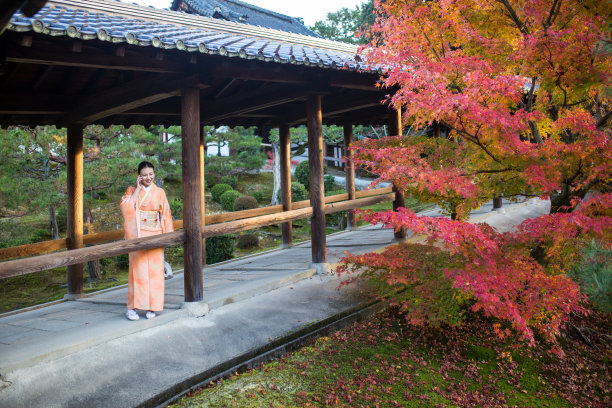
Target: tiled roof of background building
(118, 22)
(241, 12)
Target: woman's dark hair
(145, 165)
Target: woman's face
(147, 176)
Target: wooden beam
(33, 104)
(74, 165)
(349, 171)
(91, 57)
(285, 163)
(106, 236)
(255, 222)
(317, 194)
(192, 211)
(338, 104)
(79, 256)
(361, 202)
(217, 110)
(125, 97)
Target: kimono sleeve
(166, 217)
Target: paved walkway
(86, 353)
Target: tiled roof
(117, 22)
(241, 12)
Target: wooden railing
(216, 224)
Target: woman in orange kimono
(146, 212)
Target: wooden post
(192, 211)
(497, 202)
(317, 195)
(395, 129)
(349, 170)
(203, 190)
(74, 166)
(285, 163)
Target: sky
(310, 10)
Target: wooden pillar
(203, 190)
(74, 166)
(192, 211)
(285, 163)
(317, 195)
(395, 129)
(497, 202)
(349, 169)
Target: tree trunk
(276, 169)
(561, 202)
(53, 223)
(93, 267)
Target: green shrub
(219, 248)
(302, 173)
(210, 179)
(247, 241)
(228, 198)
(245, 203)
(231, 180)
(417, 284)
(329, 183)
(258, 195)
(61, 216)
(218, 190)
(176, 208)
(122, 261)
(594, 275)
(298, 192)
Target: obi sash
(149, 220)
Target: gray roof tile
(199, 34)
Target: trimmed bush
(302, 173)
(298, 192)
(219, 248)
(247, 241)
(218, 190)
(329, 183)
(245, 203)
(258, 195)
(228, 198)
(210, 179)
(231, 180)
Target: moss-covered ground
(386, 363)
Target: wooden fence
(216, 224)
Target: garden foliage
(218, 190)
(228, 198)
(220, 248)
(245, 203)
(516, 100)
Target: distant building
(240, 12)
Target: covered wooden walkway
(84, 62)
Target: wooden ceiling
(58, 80)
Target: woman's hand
(139, 181)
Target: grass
(387, 363)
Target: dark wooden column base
(317, 194)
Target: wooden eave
(48, 80)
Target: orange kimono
(143, 216)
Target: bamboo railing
(216, 224)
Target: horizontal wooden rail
(76, 256)
(103, 237)
(44, 262)
(360, 202)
